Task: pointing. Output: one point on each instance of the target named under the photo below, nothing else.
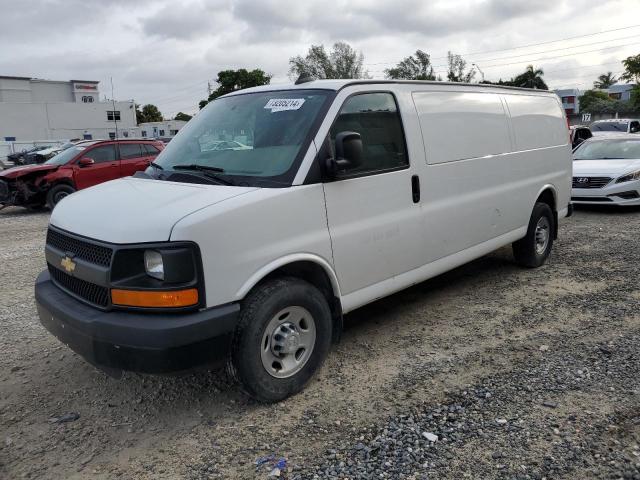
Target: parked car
(80, 166)
(578, 134)
(615, 126)
(18, 158)
(41, 156)
(349, 192)
(606, 170)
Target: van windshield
(254, 139)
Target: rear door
(373, 217)
(105, 166)
(133, 157)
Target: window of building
(130, 150)
(568, 111)
(161, 133)
(87, 99)
(173, 132)
(112, 135)
(375, 117)
(113, 115)
(125, 134)
(615, 96)
(104, 153)
(143, 133)
(87, 136)
(9, 139)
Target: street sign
(586, 117)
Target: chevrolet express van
(278, 209)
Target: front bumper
(134, 341)
(626, 193)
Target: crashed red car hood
(16, 172)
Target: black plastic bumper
(141, 342)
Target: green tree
(343, 62)
(413, 67)
(182, 116)
(456, 71)
(594, 101)
(530, 78)
(635, 97)
(631, 69)
(150, 113)
(231, 80)
(605, 80)
(139, 115)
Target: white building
(570, 100)
(166, 128)
(32, 109)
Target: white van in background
(347, 191)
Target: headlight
(629, 176)
(153, 264)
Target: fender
(286, 260)
(547, 186)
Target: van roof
(337, 85)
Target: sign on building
(586, 117)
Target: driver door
(105, 166)
(373, 208)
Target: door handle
(415, 188)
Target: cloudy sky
(164, 52)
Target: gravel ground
(489, 371)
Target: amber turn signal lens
(155, 299)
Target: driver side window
(375, 117)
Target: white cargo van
(278, 209)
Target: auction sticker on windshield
(282, 104)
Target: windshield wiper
(206, 171)
(155, 165)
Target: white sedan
(606, 170)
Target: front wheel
(532, 251)
(57, 193)
(282, 338)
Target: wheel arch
(548, 194)
(311, 268)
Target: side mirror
(86, 161)
(348, 153)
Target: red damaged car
(86, 164)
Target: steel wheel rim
(288, 342)
(542, 234)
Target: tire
(532, 251)
(57, 193)
(270, 316)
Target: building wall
(51, 92)
(167, 128)
(65, 120)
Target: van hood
(134, 210)
(609, 168)
(16, 172)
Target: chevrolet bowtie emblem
(68, 264)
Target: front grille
(81, 249)
(590, 182)
(91, 292)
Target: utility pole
(113, 103)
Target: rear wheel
(282, 338)
(57, 193)
(532, 251)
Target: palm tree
(531, 78)
(605, 80)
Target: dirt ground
(528, 346)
